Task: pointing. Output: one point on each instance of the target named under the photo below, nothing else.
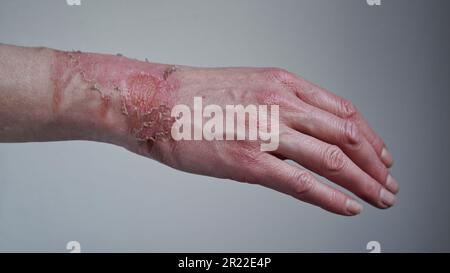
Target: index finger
(332, 103)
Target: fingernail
(386, 157)
(387, 198)
(392, 184)
(353, 207)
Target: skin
(49, 95)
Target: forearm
(25, 97)
(50, 95)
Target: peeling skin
(124, 109)
(142, 91)
(169, 71)
(104, 107)
(95, 87)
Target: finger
(345, 134)
(331, 162)
(325, 100)
(343, 108)
(278, 175)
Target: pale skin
(49, 95)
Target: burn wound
(145, 91)
(148, 113)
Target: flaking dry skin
(145, 90)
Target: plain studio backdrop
(391, 60)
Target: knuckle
(270, 97)
(347, 108)
(333, 199)
(279, 75)
(370, 191)
(333, 159)
(303, 183)
(376, 142)
(351, 134)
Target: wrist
(110, 98)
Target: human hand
(319, 130)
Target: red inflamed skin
(48, 95)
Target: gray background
(392, 61)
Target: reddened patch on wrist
(141, 92)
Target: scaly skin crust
(140, 91)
